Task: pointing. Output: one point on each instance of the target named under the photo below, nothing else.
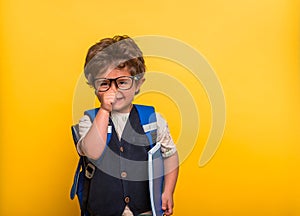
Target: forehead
(114, 73)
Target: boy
(115, 68)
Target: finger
(169, 210)
(110, 98)
(164, 205)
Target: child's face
(122, 98)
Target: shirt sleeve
(168, 147)
(84, 126)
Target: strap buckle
(89, 170)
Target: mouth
(119, 99)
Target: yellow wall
(253, 47)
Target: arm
(94, 142)
(171, 165)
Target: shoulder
(85, 120)
(161, 122)
(84, 125)
(148, 111)
(144, 109)
(91, 113)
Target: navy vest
(121, 177)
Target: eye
(124, 81)
(102, 83)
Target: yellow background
(252, 45)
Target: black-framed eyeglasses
(122, 82)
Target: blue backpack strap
(148, 121)
(91, 113)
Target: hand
(107, 99)
(167, 203)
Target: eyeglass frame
(133, 78)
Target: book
(156, 179)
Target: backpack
(85, 169)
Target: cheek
(136, 88)
(130, 94)
(99, 96)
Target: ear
(139, 84)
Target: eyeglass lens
(123, 83)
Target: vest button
(123, 174)
(121, 149)
(127, 199)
